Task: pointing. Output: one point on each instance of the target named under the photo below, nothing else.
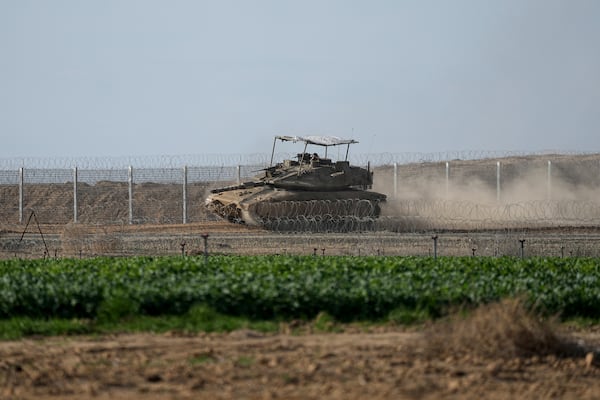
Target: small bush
(116, 308)
(408, 316)
(504, 329)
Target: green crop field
(286, 287)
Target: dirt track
(115, 240)
(247, 364)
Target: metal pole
(21, 184)
(447, 178)
(498, 181)
(549, 181)
(205, 237)
(273, 152)
(75, 195)
(130, 181)
(239, 174)
(435, 238)
(185, 178)
(302, 159)
(522, 251)
(395, 180)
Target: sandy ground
(388, 363)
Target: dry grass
(502, 330)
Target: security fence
(425, 192)
(112, 196)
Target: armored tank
(309, 192)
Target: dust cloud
(530, 192)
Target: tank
(310, 192)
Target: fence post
(185, 175)
(21, 182)
(205, 237)
(447, 179)
(75, 195)
(239, 174)
(522, 249)
(549, 182)
(130, 184)
(498, 181)
(395, 180)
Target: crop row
(293, 287)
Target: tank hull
(281, 209)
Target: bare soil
(246, 364)
(488, 355)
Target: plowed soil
(389, 363)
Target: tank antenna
(273, 151)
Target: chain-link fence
(112, 196)
(551, 190)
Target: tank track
(318, 215)
(230, 211)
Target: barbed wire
(137, 175)
(123, 162)
(78, 241)
(263, 159)
(429, 215)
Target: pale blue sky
(124, 77)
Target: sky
(148, 77)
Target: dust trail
(531, 193)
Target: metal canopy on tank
(317, 140)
